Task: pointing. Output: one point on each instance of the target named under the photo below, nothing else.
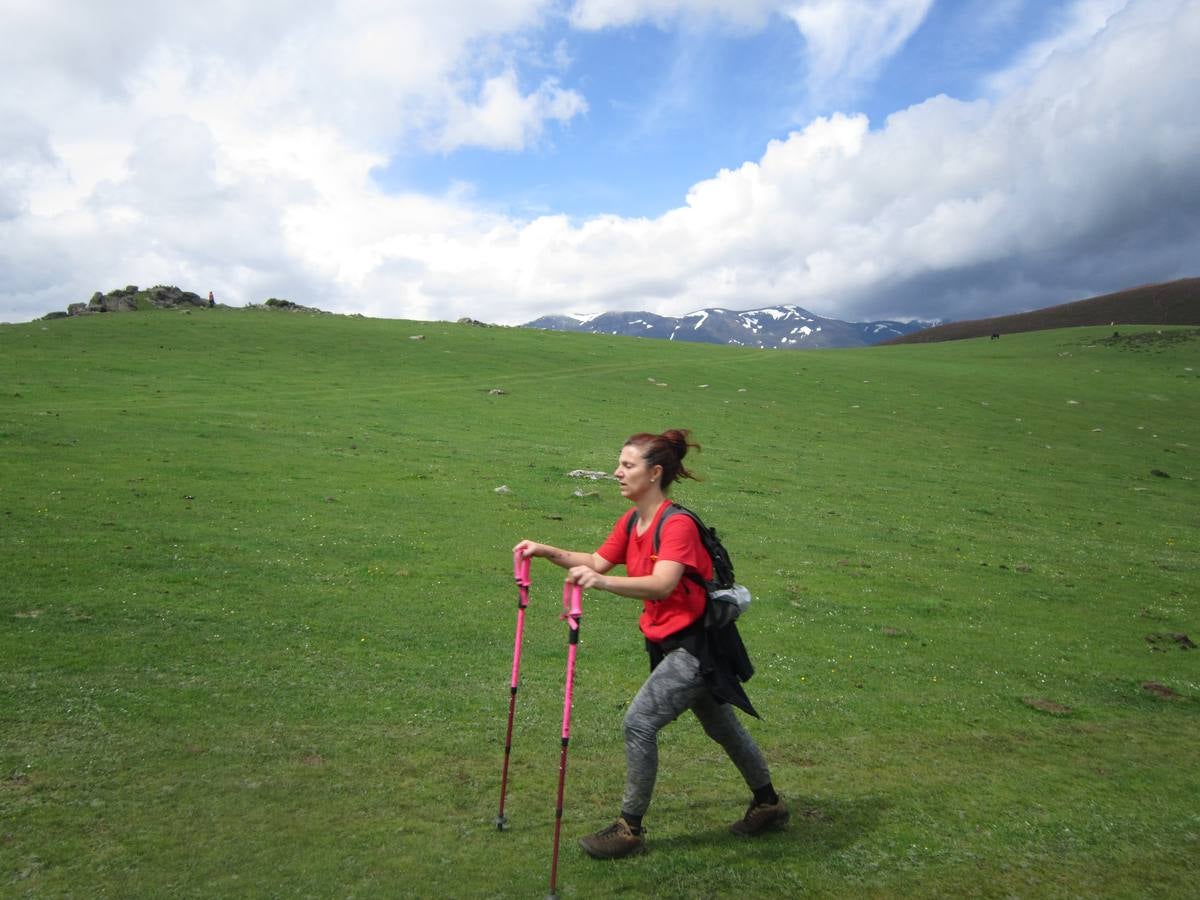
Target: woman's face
(634, 476)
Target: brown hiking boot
(761, 816)
(613, 842)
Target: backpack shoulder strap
(662, 520)
(676, 509)
(667, 513)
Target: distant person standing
(211, 301)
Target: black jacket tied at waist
(724, 662)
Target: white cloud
(849, 40)
(597, 14)
(1080, 23)
(24, 154)
(506, 119)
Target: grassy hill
(257, 614)
(1171, 303)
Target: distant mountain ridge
(786, 327)
(1168, 303)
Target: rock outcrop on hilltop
(289, 306)
(130, 299)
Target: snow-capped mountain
(776, 327)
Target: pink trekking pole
(521, 576)
(572, 612)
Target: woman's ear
(655, 474)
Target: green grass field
(257, 610)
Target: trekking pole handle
(521, 568)
(572, 604)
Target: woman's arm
(658, 585)
(568, 559)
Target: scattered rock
(1164, 640)
(497, 392)
(28, 614)
(579, 492)
(1046, 706)
(504, 489)
(590, 474)
(1024, 567)
(416, 337)
(1160, 690)
(466, 320)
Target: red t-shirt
(680, 542)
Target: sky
(507, 159)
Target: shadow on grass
(817, 828)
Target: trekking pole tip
(501, 822)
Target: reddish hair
(667, 450)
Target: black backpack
(726, 598)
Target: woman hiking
(672, 622)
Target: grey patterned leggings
(676, 685)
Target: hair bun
(678, 439)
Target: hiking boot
(761, 816)
(613, 842)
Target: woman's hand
(587, 577)
(529, 549)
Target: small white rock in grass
(702, 385)
(1072, 403)
(504, 489)
(590, 474)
